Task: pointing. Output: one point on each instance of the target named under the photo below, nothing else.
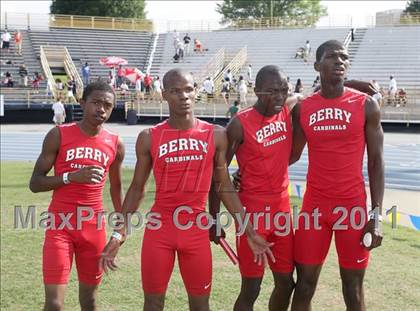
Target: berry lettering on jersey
(329, 114)
(183, 144)
(269, 130)
(87, 153)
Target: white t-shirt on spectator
(392, 85)
(58, 108)
(208, 86)
(138, 85)
(6, 37)
(157, 86)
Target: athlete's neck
(89, 129)
(263, 110)
(331, 89)
(182, 123)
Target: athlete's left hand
(107, 260)
(261, 249)
(376, 231)
(362, 86)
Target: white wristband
(66, 180)
(116, 235)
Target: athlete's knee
(53, 304)
(154, 302)
(250, 291)
(284, 282)
(353, 291)
(305, 288)
(87, 303)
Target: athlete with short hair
(337, 123)
(184, 153)
(82, 154)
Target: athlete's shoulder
(109, 132)
(201, 124)
(310, 99)
(159, 126)
(245, 112)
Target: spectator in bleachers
(228, 77)
(225, 91)
(139, 89)
(233, 110)
(198, 47)
(85, 74)
(69, 94)
(298, 86)
(316, 84)
(180, 50)
(59, 112)
(148, 81)
(5, 38)
(401, 99)
(208, 87)
(8, 79)
(187, 41)
(290, 85)
(120, 75)
(23, 74)
(124, 88)
(157, 89)
(249, 75)
(392, 90)
(307, 51)
(18, 42)
(242, 90)
(74, 88)
(58, 85)
(377, 96)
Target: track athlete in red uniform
(261, 138)
(182, 152)
(82, 154)
(337, 123)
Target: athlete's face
(333, 64)
(180, 94)
(272, 93)
(97, 108)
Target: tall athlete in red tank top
(184, 154)
(261, 138)
(337, 123)
(82, 154)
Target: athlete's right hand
(237, 180)
(107, 260)
(92, 174)
(261, 249)
(213, 234)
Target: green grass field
(392, 280)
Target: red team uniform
(183, 169)
(78, 150)
(335, 133)
(263, 159)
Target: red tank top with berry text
(78, 150)
(335, 133)
(182, 166)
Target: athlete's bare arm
(299, 139)
(41, 182)
(224, 188)
(133, 197)
(115, 173)
(374, 142)
(235, 137)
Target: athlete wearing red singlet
(261, 138)
(184, 153)
(82, 155)
(182, 167)
(337, 123)
(335, 133)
